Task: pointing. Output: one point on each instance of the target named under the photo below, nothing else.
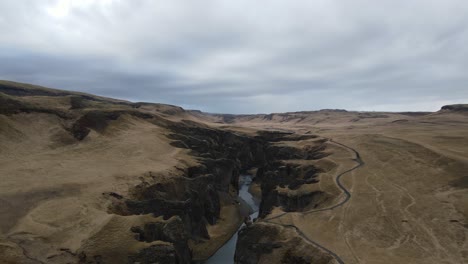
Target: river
(225, 255)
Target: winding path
(360, 163)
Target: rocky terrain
(88, 179)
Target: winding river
(226, 253)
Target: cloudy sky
(242, 56)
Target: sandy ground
(55, 193)
(409, 201)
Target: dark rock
(113, 194)
(18, 89)
(456, 107)
(179, 144)
(172, 231)
(156, 254)
(194, 197)
(262, 240)
(78, 102)
(9, 105)
(98, 120)
(195, 201)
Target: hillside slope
(85, 178)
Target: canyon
(89, 179)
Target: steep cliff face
(161, 213)
(193, 195)
(172, 231)
(456, 108)
(222, 155)
(287, 182)
(270, 243)
(238, 153)
(280, 178)
(214, 144)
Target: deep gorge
(191, 201)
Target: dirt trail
(338, 182)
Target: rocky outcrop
(191, 199)
(290, 202)
(282, 184)
(172, 231)
(159, 253)
(214, 144)
(270, 243)
(456, 108)
(98, 120)
(193, 196)
(195, 201)
(20, 89)
(161, 108)
(290, 177)
(78, 102)
(276, 136)
(10, 105)
(240, 153)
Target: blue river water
(225, 255)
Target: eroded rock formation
(184, 204)
(270, 243)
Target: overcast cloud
(244, 56)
